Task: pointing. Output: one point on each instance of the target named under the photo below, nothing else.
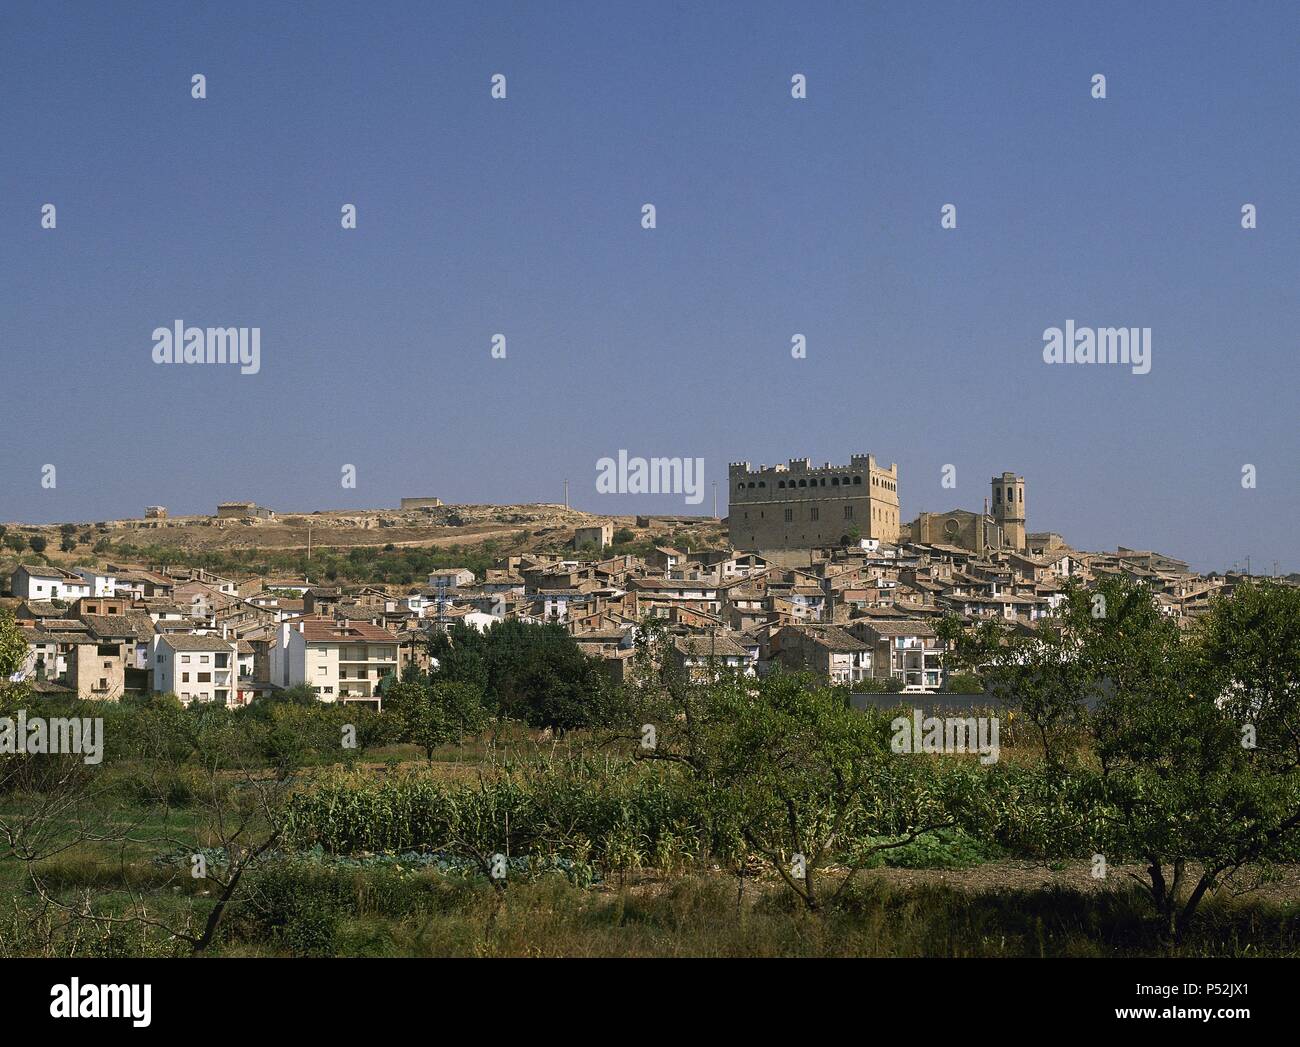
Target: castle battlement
(798, 505)
(804, 467)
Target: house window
(185, 677)
(205, 678)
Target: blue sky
(775, 217)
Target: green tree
(1177, 750)
(528, 672)
(809, 784)
(436, 713)
(13, 647)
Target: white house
(479, 620)
(451, 578)
(101, 584)
(341, 660)
(195, 668)
(38, 582)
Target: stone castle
(796, 506)
(799, 507)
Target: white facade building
(36, 582)
(340, 660)
(195, 668)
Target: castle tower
(1009, 508)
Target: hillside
(516, 528)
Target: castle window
(740, 487)
(803, 483)
(781, 483)
(762, 483)
(997, 494)
(815, 513)
(789, 515)
(857, 480)
(751, 485)
(1010, 495)
(848, 512)
(835, 481)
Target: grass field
(947, 897)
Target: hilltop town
(814, 569)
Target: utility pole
(309, 541)
(715, 499)
(1247, 566)
(566, 494)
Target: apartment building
(195, 668)
(906, 649)
(341, 660)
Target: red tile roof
(327, 631)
